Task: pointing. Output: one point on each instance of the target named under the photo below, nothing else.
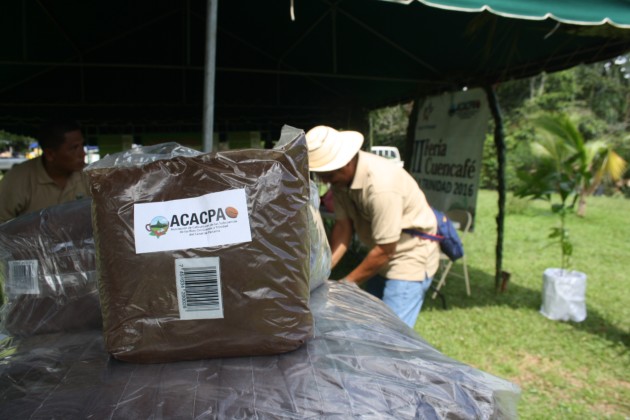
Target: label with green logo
(213, 219)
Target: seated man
(53, 178)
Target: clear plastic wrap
(48, 269)
(321, 255)
(203, 256)
(138, 156)
(362, 362)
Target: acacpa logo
(158, 226)
(465, 109)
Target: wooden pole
(499, 143)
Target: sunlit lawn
(565, 369)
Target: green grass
(565, 370)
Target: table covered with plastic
(362, 362)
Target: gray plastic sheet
(362, 362)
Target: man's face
(340, 177)
(70, 156)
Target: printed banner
(209, 220)
(448, 148)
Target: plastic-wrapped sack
(564, 295)
(203, 256)
(48, 266)
(321, 257)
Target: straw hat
(329, 149)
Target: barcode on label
(199, 288)
(22, 278)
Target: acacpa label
(210, 220)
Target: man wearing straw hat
(377, 199)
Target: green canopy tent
(139, 67)
(575, 12)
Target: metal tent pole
(209, 75)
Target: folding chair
(462, 220)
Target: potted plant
(568, 167)
(564, 290)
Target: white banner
(448, 148)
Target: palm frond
(613, 167)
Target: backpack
(446, 235)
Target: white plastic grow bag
(564, 295)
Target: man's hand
(373, 261)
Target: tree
(15, 142)
(605, 87)
(389, 126)
(568, 164)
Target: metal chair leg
(442, 278)
(466, 278)
(442, 298)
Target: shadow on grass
(483, 294)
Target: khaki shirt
(382, 201)
(27, 187)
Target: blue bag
(450, 243)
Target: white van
(388, 152)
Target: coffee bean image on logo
(231, 212)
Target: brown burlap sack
(264, 287)
(49, 265)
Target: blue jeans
(405, 298)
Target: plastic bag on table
(48, 269)
(204, 256)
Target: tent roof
(139, 66)
(575, 12)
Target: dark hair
(51, 134)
